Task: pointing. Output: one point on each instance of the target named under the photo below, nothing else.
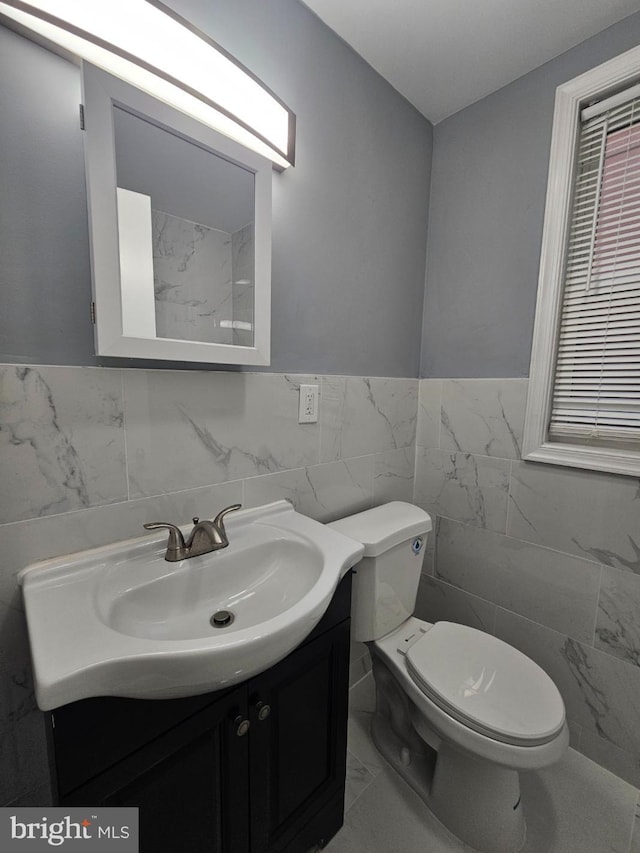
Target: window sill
(613, 461)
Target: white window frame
(571, 97)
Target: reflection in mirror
(180, 232)
(197, 211)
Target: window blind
(596, 392)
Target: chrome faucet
(205, 537)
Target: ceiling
(443, 55)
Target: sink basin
(260, 579)
(122, 621)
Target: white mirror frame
(100, 93)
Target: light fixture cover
(150, 46)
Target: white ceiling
(443, 55)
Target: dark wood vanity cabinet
(202, 778)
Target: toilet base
(477, 801)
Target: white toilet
(487, 710)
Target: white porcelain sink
(122, 621)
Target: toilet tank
(385, 582)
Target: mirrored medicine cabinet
(180, 227)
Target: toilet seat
(486, 684)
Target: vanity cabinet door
(190, 784)
(297, 749)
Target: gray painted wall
(489, 176)
(349, 221)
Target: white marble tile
(575, 734)
(635, 838)
(324, 492)
(601, 693)
(17, 697)
(572, 807)
(357, 650)
(588, 513)
(439, 602)
(575, 807)
(61, 440)
(23, 758)
(192, 275)
(389, 817)
(39, 796)
(358, 668)
(362, 415)
(557, 590)
(360, 743)
(191, 429)
(429, 559)
(618, 623)
(472, 489)
(484, 416)
(358, 780)
(429, 412)
(362, 695)
(620, 761)
(393, 475)
(27, 542)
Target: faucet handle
(218, 521)
(176, 539)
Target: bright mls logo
(106, 829)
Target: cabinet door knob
(263, 710)
(242, 726)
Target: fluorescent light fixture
(147, 44)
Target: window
(584, 396)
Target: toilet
(459, 713)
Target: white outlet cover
(308, 405)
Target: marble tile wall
(547, 558)
(192, 279)
(243, 298)
(87, 455)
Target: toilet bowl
(459, 712)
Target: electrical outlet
(308, 408)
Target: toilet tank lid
(383, 527)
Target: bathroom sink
(122, 621)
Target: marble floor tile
(360, 744)
(23, 757)
(619, 761)
(358, 780)
(577, 807)
(359, 667)
(572, 807)
(362, 695)
(635, 838)
(389, 817)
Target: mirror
(180, 232)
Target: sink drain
(222, 619)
